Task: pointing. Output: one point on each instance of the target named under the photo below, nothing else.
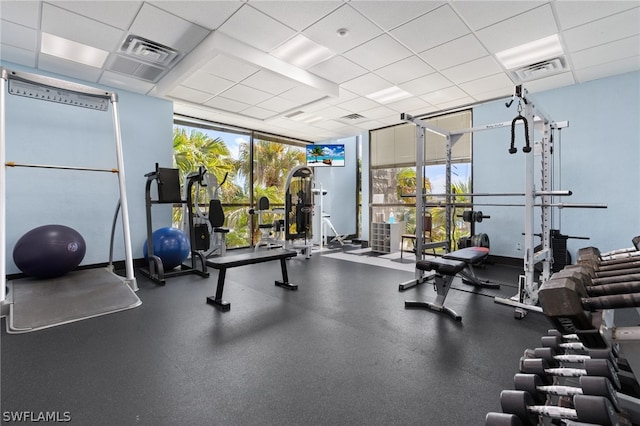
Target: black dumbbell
(552, 357)
(591, 367)
(502, 419)
(589, 385)
(604, 283)
(587, 408)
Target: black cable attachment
(527, 147)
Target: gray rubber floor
(341, 350)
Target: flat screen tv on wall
(325, 155)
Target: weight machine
(535, 122)
(298, 215)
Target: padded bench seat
(225, 262)
(442, 266)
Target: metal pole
(50, 166)
(420, 149)
(3, 193)
(131, 279)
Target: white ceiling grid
(441, 52)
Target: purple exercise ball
(49, 251)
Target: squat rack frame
(527, 297)
(50, 89)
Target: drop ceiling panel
(17, 55)
(455, 52)
(207, 14)
(116, 80)
(162, 27)
(573, 13)
(190, 95)
(430, 30)
(229, 68)
(472, 70)
(360, 29)
(611, 68)
(427, 84)
(68, 68)
(529, 26)
(404, 70)
(226, 104)
(549, 83)
(256, 29)
(366, 84)
(247, 94)
(104, 11)
(207, 83)
(391, 17)
(25, 13)
(278, 104)
(297, 14)
(377, 53)
(18, 36)
(259, 113)
(269, 82)
(302, 95)
(609, 52)
(338, 69)
(410, 105)
(358, 105)
(77, 28)
(603, 31)
(444, 95)
(379, 112)
(481, 14)
(495, 83)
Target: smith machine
(538, 124)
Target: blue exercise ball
(171, 245)
(49, 251)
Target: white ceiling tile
(444, 95)
(18, 36)
(167, 29)
(207, 83)
(258, 113)
(68, 68)
(519, 29)
(77, 28)
(492, 83)
(103, 11)
(427, 84)
(125, 82)
(302, 95)
(256, 29)
(410, 104)
(17, 55)
(479, 14)
(573, 13)
(359, 29)
(207, 14)
(611, 68)
(278, 104)
(358, 104)
(378, 112)
(609, 52)
(338, 70)
(366, 84)
(405, 70)
(296, 14)
(329, 124)
(376, 53)
(24, 12)
(603, 31)
(455, 52)
(333, 112)
(189, 94)
(227, 104)
(548, 83)
(472, 70)
(371, 124)
(468, 100)
(229, 68)
(247, 94)
(343, 96)
(269, 82)
(388, 15)
(443, 25)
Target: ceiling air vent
(352, 117)
(140, 48)
(540, 69)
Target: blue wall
(599, 153)
(40, 132)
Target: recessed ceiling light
(302, 52)
(73, 51)
(391, 94)
(530, 53)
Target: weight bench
(446, 268)
(226, 262)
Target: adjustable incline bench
(446, 268)
(225, 262)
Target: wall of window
(393, 173)
(251, 165)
